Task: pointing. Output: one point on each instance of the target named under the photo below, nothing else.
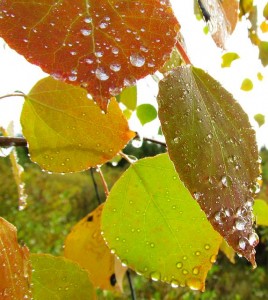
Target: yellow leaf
(86, 246)
(15, 271)
(67, 132)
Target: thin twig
(12, 95)
(183, 53)
(95, 185)
(12, 141)
(104, 183)
(155, 141)
(125, 156)
(132, 291)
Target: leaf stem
(13, 95)
(125, 156)
(183, 53)
(95, 186)
(12, 141)
(104, 183)
(132, 291)
(155, 141)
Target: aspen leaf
(128, 97)
(228, 251)
(101, 45)
(86, 246)
(15, 265)
(213, 148)
(68, 132)
(260, 119)
(149, 204)
(260, 210)
(247, 85)
(263, 53)
(228, 58)
(146, 113)
(59, 278)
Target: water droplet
(213, 259)
(240, 224)
(86, 32)
(115, 67)
(194, 284)
(113, 251)
(89, 61)
(207, 246)
(115, 50)
(152, 245)
(88, 20)
(226, 181)
(253, 239)
(174, 283)
(184, 272)
(101, 74)
(197, 195)
(196, 270)
(124, 262)
(176, 140)
(137, 60)
(72, 78)
(242, 243)
(155, 276)
(179, 265)
(184, 257)
(197, 253)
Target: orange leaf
(15, 266)
(86, 246)
(101, 45)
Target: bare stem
(12, 95)
(125, 156)
(155, 141)
(132, 291)
(95, 186)
(104, 183)
(12, 141)
(183, 53)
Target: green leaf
(173, 62)
(59, 278)
(260, 211)
(263, 54)
(260, 119)
(265, 11)
(146, 113)
(154, 225)
(67, 132)
(228, 58)
(247, 85)
(128, 97)
(260, 76)
(213, 148)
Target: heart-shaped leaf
(68, 132)
(15, 274)
(102, 46)
(154, 225)
(86, 246)
(59, 278)
(213, 148)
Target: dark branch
(95, 185)
(12, 141)
(132, 291)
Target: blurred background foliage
(56, 202)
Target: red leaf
(102, 46)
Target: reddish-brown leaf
(15, 265)
(101, 45)
(213, 148)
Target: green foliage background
(57, 202)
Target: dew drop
(240, 224)
(115, 67)
(86, 32)
(195, 270)
(253, 239)
(101, 74)
(184, 272)
(174, 283)
(88, 20)
(152, 245)
(242, 243)
(226, 181)
(197, 253)
(179, 265)
(155, 276)
(207, 246)
(194, 284)
(137, 60)
(197, 195)
(213, 259)
(72, 78)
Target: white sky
(17, 74)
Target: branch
(183, 53)
(125, 156)
(104, 183)
(95, 185)
(155, 141)
(13, 95)
(12, 141)
(132, 291)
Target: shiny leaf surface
(149, 204)
(102, 46)
(86, 246)
(213, 148)
(146, 113)
(15, 272)
(68, 132)
(59, 278)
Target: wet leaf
(68, 132)
(149, 221)
(59, 278)
(263, 53)
(173, 62)
(247, 85)
(260, 210)
(86, 246)
(128, 97)
(260, 119)
(146, 113)
(101, 45)
(228, 58)
(213, 148)
(15, 272)
(221, 17)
